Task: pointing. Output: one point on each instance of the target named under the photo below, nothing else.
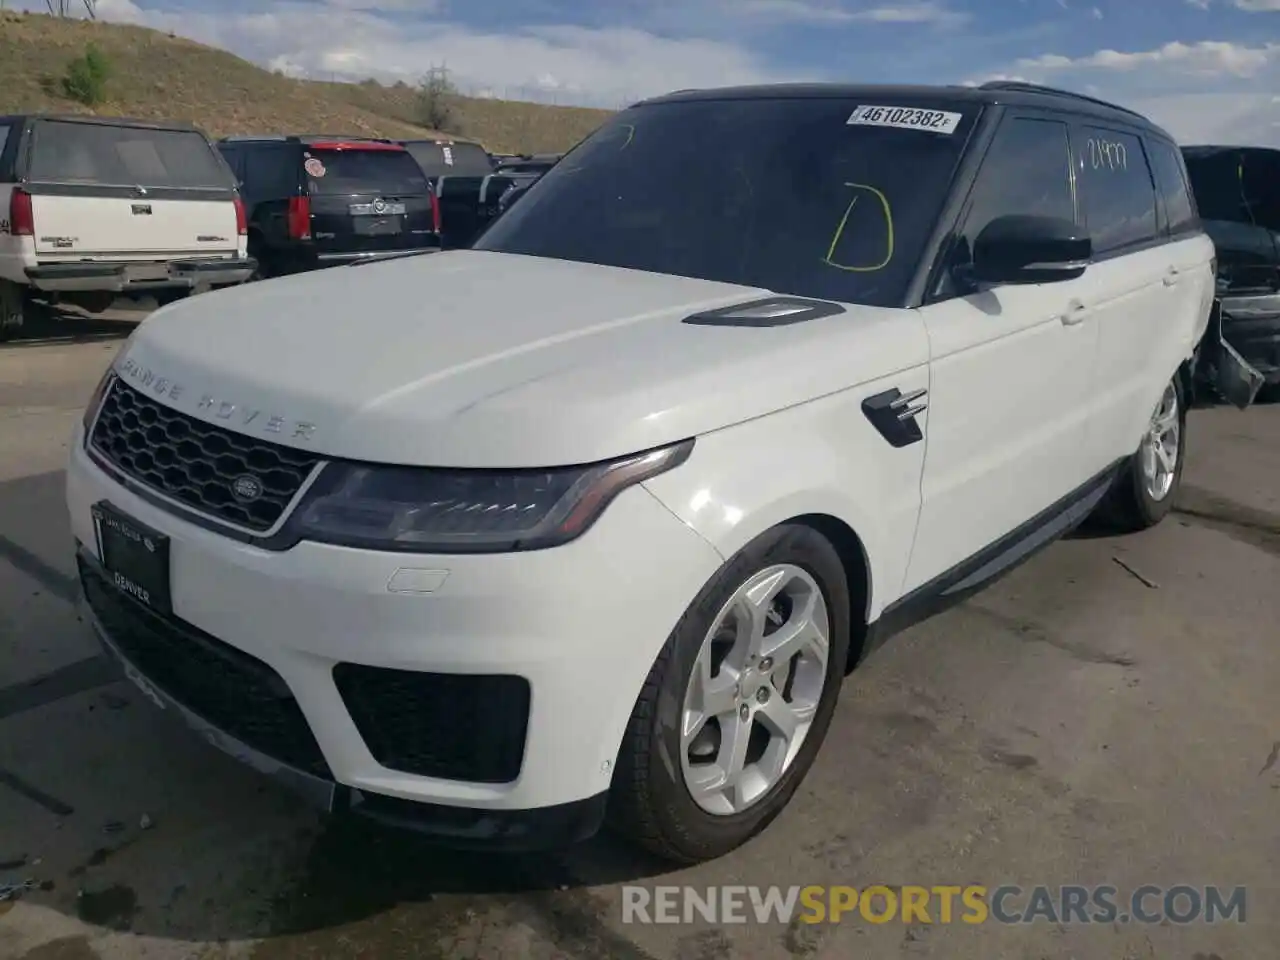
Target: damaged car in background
(1237, 191)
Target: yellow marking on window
(835, 240)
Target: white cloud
(807, 11)
(1206, 92)
(1248, 6)
(1214, 118)
(1207, 57)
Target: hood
(480, 359)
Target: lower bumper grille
(228, 688)
(450, 726)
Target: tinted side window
(1027, 170)
(235, 160)
(1179, 209)
(271, 172)
(1116, 190)
(4, 137)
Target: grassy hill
(159, 76)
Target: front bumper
(581, 624)
(139, 277)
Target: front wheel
(1148, 483)
(737, 705)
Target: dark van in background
(317, 201)
(1237, 191)
(467, 181)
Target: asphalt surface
(1106, 715)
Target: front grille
(446, 725)
(197, 463)
(228, 688)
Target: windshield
(108, 155)
(785, 194)
(451, 159)
(351, 172)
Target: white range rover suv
(587, 524)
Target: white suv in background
(94, 208)
(588, 523)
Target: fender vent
(770, 312)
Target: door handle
(1075, 314)
(1171, 277)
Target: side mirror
(1030, 249)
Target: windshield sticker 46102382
(906, 118)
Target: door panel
(1010, 368)
(1007, 417)
(1133, 318)
(1133, 276)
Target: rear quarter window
(1179, 208)
(108, 155)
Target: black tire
(649, 802)
(13, 309)
(1130, 507)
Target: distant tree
(86, 78)
(437, 98)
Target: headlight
(100, 391)
(95, 399)
(429, 510)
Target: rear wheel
(13, 309)
(738, 703)
(1148, 483)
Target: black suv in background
(450, 158)
(468, 182)
(1237, 190)
(523, 172)
(319, 201)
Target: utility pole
(68, 8)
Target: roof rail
(1019, 86)
(237, 137)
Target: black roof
(442, 141)
(302, 138)
(996, 92)
(15, 119)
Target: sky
(1207, 70)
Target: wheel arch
(857, 572)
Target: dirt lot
(1086, 721)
